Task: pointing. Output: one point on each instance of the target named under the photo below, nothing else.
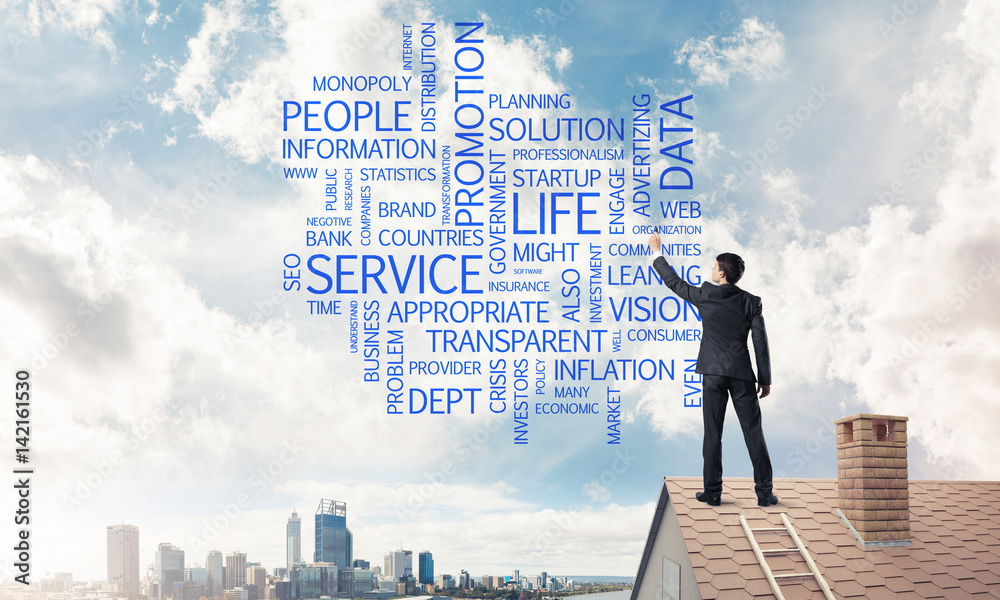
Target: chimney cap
(856, 417)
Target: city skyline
(174, 558)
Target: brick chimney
(872, 480)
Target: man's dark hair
(731, 266)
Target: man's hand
(763, 390)
(654, 242)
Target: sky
(848, 153)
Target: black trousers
(716, 390)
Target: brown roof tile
(722, 566)
(839, 574)
(747, 557)
(870, 579)
(971, 586)
(899, 584)
(928, 590)
(717, 552)
(850, 589)
(989, 578)
(729, 581)
(954, 550)
(758, 587)
(918, 575)
(945, 581)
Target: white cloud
(195, 84)
(756, 49)
(87, 19)
(140, 374)
(563, 58)
(905, 313)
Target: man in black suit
(728, 314)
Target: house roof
(954, 550)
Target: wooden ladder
(799, 547)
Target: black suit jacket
(727, 315)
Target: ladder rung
(761, 555)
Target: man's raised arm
(680, 287)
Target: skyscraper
(123, 557)
(293, 540)
(425, 573)
(333, 539)
(398, 564)
(213, 564)
(257, 579)
(195, 583)
(236, 570)
(168, 569)
(314, 580)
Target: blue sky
(194, 371)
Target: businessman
(728, 314)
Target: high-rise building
(65, 581)
(314, 580)
(236, 570)
(195, 583)
(168, 569)
(516, 578)
(398, 564)
(360, 563)
(213, 564)
(425, 567)
(293, 540)
(256, 580)
(543, 581)
(333, 539)
(353, 583)
(464, 581)
(123, 558)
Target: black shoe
(772, 499)
(710, 499)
